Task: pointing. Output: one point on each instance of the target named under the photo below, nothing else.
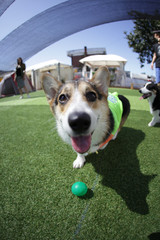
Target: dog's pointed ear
(102, 79)
(50, 85)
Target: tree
(141, 39)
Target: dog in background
(87, 116)
(151, 92)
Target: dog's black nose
(140, 91)
(79, 121)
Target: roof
(64, 19)
(103, 60)
(46, 64)
(90, 51)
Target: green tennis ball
(79, 189)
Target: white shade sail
(109, 60)
(47, 64)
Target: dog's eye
(91, 96)
(63, 98)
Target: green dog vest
(116, 107)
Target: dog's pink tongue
(141, 98)
(82, 143)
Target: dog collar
(106, 141)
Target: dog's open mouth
(81, 144)
(146, 95)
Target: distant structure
(78, 54)
(60, 71)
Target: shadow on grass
(154, 236)
(119, 165)
(157, 125)
(88, 195)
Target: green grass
(123, 201)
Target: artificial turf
(36, 202)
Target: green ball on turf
(79, 189)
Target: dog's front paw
(151, 124)
(79, 162)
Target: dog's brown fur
(87, 97)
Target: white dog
(151, 92)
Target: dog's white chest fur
(150, 101)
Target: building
(78, 54)
(61, 71)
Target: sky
(109, 36)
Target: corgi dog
(87, 116)
(151, 92)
